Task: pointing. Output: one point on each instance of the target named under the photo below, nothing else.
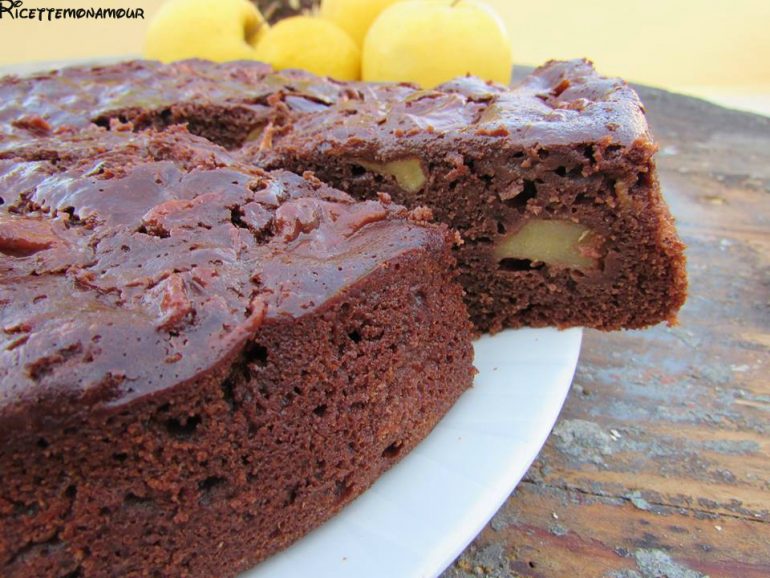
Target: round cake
(219, 323)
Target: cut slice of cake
(201, 361)
(551, 183)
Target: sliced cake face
(195, 352)
(551, 184)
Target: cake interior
(565, 236)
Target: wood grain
(660, 462)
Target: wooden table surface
(659, 465)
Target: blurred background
(715, 49)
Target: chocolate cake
(201, 360)
(205, 355)
(551, 183)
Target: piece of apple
(553, 242)
(312, 44)
(218, 30)
(354, 16)
(408, 172)
(432, 41)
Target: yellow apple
(431, 41)
(354, 16)
(217, 30)
(313, 44)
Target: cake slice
(201, 361)
(551, 183)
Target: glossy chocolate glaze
(161, 247)
(73, 96)
(560, 103)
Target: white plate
(419, 516)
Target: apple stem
(455, 3)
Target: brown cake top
(560, 103)
(76, 95)
(132, 262)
